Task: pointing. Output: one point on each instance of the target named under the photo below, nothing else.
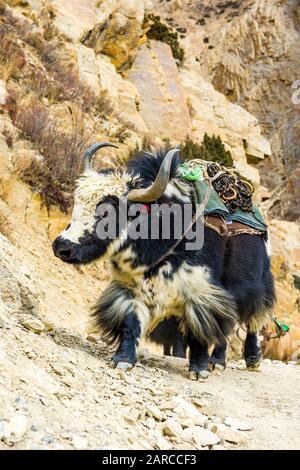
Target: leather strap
(229, 230)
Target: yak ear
(158, 187)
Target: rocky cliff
(72, 72)
(249, 51)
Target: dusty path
(57, 390)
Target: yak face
(79, 242)
(148, 179)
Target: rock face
(162, 100)
(74, 18)
(176, 104)
(249, 51)
(122, 92)
(3, 93)
(118, 35)
(212, 113)
(88, 69)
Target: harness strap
(232, 229)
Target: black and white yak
(208, 290)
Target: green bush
(212, 149)
(161, 32)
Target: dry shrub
(104, 105)
(21, 161)
(9, 135)
(59, 81)
(19, 24)
(12, 56)
(52, 175)
(64, 83)
(123, 131)
(32, 119)
(62, 152)
(12, 99)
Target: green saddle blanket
(215, 206)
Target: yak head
(95, 195)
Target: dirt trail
(58, 390)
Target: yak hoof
(193, 375)
(253, 366)
(124, 366)
(199, 375)
(203, 374)
(217, 369)
(252, 362)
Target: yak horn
(158, 187)
(88, 154)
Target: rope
(234, 192)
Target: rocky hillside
(249, 51)
(75, 72)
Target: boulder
(117, 31)
(163, 104)
(88, 69)
(121, 92)
(74, 18)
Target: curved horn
(88, 154)
(158, 187)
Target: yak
(207, 290)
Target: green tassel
(280, 327)
(191, 174)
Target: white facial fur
(92, 188)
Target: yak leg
(198, 358)
(179, 345)
(167, 349)
(179, 348)
(252, 351)
(126, 355)
(218, 357)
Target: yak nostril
(63, 250)
(65, 253)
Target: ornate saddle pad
(231, 229)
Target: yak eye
(68, 226)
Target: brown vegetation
(53, 175)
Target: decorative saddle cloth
(229, 210)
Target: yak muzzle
(65, 250)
